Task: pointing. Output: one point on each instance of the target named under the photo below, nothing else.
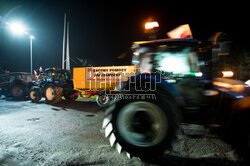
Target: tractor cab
(174, 57)
(20, 76)
(57, 74)
(59, 77)
(185, 64)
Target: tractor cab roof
(166, 41)
(56, 70)
(20, 73)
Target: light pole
(31, 37)
(17, 29)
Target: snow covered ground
(66, 134)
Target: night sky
(102, 30)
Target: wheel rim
(142, 123)
(103, 99)
(50, 93)
(32, 95)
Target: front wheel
(142, 128)
(53, 94)
(35, 95)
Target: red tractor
(16, 84)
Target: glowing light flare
(247, 82)
(173, 62)
(17, 28)
(151, 25)
(235, 88)
(198, 74)
(227, 74)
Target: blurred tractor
(176, 83)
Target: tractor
(53, 84)
(177, 82)
(16, 84)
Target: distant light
(198, 74)
(17, 27)
(239, 97)
(227, 74)
(32, 37)
(136, 53)
(247, 82)
(151, 25)
(233, 87)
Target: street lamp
(18, 29)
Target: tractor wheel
(35, 95)
(18, 91)
(143, 128)
(102, 100)
(53, 94)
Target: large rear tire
(18, 91)
(143, 128)
(53, 94)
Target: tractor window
(12, 78)
(42, 77)
(62, 76)
(142, 59)
(176, 60)
(26, 77)
(49, 75)
(66, 75)
(18, 77)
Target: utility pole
(63, 51)
(67, 54)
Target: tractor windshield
(173, 60)
(176, 60)
(27, 77)
(62, 76)
(58, 75)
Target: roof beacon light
(227, 74)
(151, 25)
